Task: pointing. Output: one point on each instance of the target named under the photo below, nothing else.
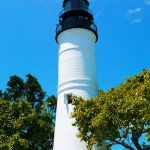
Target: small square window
(68, 99)
(69, 96)
(67, 102)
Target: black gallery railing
(61, 28)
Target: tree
(1, 94)
(22, 125)
(16, 88)
(30, 90)
(119, 116)
(51, 105)
(33, 91)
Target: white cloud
(136, 20)
(148, 2)
(134, 15)
(134, 11)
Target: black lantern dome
(75, 14)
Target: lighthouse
(76, 35)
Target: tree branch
(124, 144)
(135, 137)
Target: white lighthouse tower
(76, 35)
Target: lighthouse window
(68, 99)
(69, 96)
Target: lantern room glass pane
(75, 4)
(83, 4)
(67, 4)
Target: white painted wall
(76, 75)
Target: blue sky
(27, 40)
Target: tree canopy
(26, 115)
(120, 115)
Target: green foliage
(51, 103)
(16, 88)
(30, 90)
(1, 94)
(119, 116)
(24, 123)
(33, 90)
